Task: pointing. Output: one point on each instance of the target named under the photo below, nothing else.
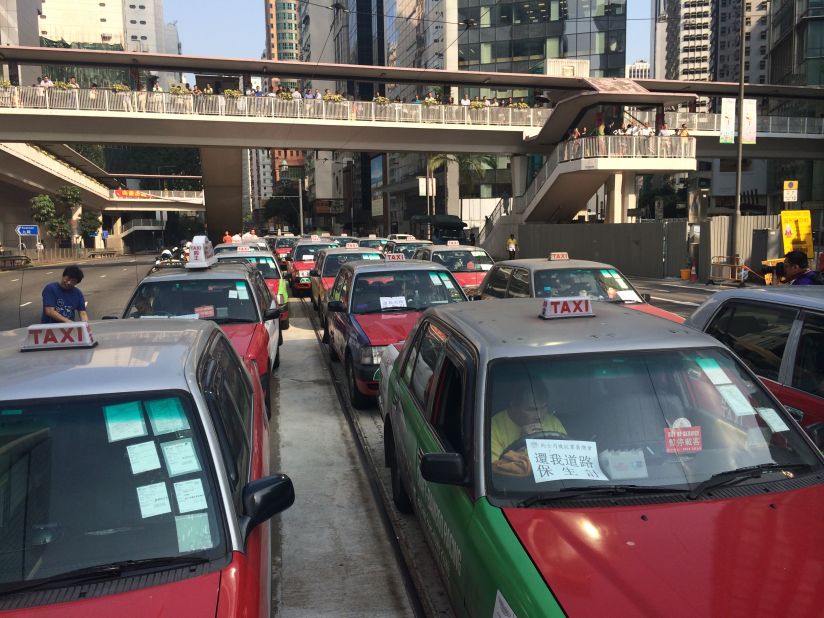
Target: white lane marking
(677, 302)
(26, 304)
(51, 272)
(675, 285)
(125, 269)
(102, 276)
(132, 261)
(15, 280)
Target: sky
(236, 28)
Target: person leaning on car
(797, 270)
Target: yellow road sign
(790, 185)
(797, 231)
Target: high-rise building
(83, 21)
(728, 40)
(640, 69)
(19, 25)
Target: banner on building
(727, 121)
(797, 231)
(133, 194)
(750, 122)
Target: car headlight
(303, 273)
(371, 355)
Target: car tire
(399, 495)
(358, 400)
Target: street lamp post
(284, 167)
(742, 49)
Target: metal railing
(163, 195)
(712, 122)
(98, 100)
(154, 224)
(496, 214)
(610, 146)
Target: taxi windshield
(332, 263)
(408, 248)
(288, 241)
(219, 300)
(374, 243)
(463, 260)
(406, 290)
(265, 264)
(665, 420)
(308, 253)
(89, 481)
(595, 283)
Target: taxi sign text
(314, 237)
(54, 336)
(395, 257)
(244, 249)
(452, 243)
(201, 253)
(558, 255)
(571, 307)
(352, 245)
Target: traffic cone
(693, 274)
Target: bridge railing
(609, 146)
(100, 100)
(712, 122)
(162, 194)
(155, 224)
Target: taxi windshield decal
(392, 302)
(683, 439)
(558, 460)
(124, 421)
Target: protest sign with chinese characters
(558, 460)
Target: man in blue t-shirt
(797, 269)
(62, 300)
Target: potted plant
(380, 100)
(333, 98)
(6, 93)
(231, 94)
(520, 105)
(476, 105)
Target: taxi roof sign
(395, 257)
(244, 249)
(566, 307)
(352, 245)
(558, 255)
(452, 243)
(201, 253)
(59, 336)
(373, 235)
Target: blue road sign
(27, 230)
(105, 234)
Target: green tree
(70, 198)
(282, 209)
(471, 167)
(89, 224)
(43, 211)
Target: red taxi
(326, 268)
(301, 260)
(146, 493)
(234, 295)
(468, 264)
(265, 262)
(281, 246)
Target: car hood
(240, 335)
(656, 311)
(746, 556)
(299, 265)
(195, 596)
(283, 250)
(387, 328)
(470, 279)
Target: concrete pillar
(453, 189)
(614, 195)
(517, 169)
(222, 190)
(629, 195)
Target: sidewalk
(330, 552)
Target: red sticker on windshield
(683, 440)
(205, 311)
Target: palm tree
(470, 167)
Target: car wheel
(358, 400)
(399, 495)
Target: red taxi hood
(240, 335)
(327, 282)
(193, 597)
(282, 250)
(657, 312)
(387, 328)
(470, 279)
(298, 265)
(748, 556)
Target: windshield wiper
(110, 570)
(732, 477)
(570, 493)
(387, 310)
(231, 320)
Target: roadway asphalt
(680, 297)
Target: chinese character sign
(727, 121)
(558, 460)
(683, 440)
(750, 124)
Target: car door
(804, 388)
(339, 320)
(272, 327)
(496, 282)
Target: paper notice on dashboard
(713, 371)
(143, 457)
(391, 302)
(166, 416)
(124, 421)
(556, 460)
(193, 532)
(153, 500)
(735, 399)
(180, 457)
(190, 496)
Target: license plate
(304, 280)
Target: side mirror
(335, 306)
(314, 273)
(646, 298)
(816, 433)
(444, 468)
(265, 498)
(110, 317)
(271, 314)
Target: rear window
(285, 242)
(307, 253)
(374, 243)
(408, 249)
(595, 283)
(266, 265)
(88, 481)
(332, 263)
(407, 290)
(464, 260)
(221, 300)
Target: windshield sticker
(681, 422)
(232, 293)
(485, 266)
(477, 253)
(606, 273)
(390, 302)
(180, 457)
(11, 412)
(619, 279)
(628, 296)
(446, 281)
(205, 311)
(435, 279)
(371, 256)
(626, 464)
(557, 460)
(193, 532)
(143, 457)
(222, 312)
(502, 608)
(166, 416)
(153, 500)
(773, 420)
(307, 258)
(735, 399)
(683, 440)
(713, 371)
(124, 421)
(242, 292)
(190, 496)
